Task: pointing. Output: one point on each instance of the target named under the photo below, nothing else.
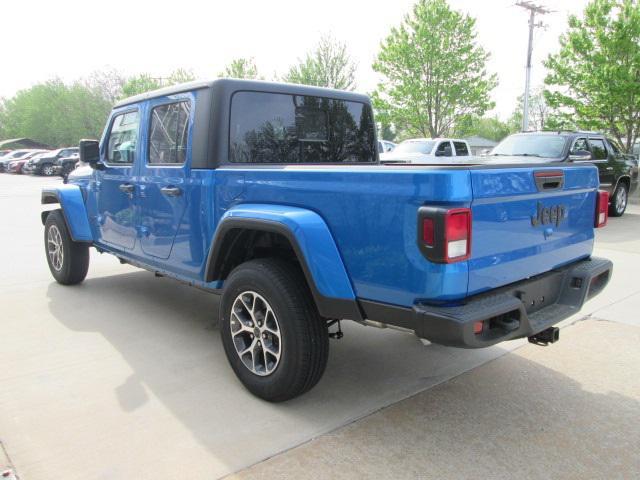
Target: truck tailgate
(526, 224)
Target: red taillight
(457, 235)
(428, 232)
(602, 209)
(477, 327)
(444, 235)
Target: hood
(511, 159)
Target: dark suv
(46, 164)
(618, 171)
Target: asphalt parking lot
(124, 377)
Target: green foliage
(434, 73)
(144, 82)
(244, 68)
(594, 80)
(180, 75)
(491, 128)
(539, 111)
(140, 84)
(387, 132)
(329, 65)
(55, 113)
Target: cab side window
(598, 149)
(580, 144)
(169, 133)
(123, 138)
(444, 150)
(461, 149)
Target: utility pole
(533, 9)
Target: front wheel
(273, 336)
(619, 201)
(47, 170)
(68, 260)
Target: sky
(69, 39)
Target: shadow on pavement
(511, 418)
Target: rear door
(529, 220)
(164, 173)
(602, 160)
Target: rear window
(282, 128)
(546, 146)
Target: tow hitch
(545, 337)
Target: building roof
(476, 141)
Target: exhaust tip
(545, 337)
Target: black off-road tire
(304, 337)
(71, 268)
(619, 200)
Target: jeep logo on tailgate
(549, 215)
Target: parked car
(17, 155)
(4, 152)
(45, 165)
(272, 198)
(618, 172)
(426, 150)
(16, 166)
(385, 146)
(64, 165)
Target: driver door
(115, 183)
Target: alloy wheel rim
(48, 170)
(255, 333)
(621, 199)
(54, 248)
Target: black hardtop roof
(233, 84)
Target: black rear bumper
(515, 311)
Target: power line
(533, 10)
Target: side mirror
(90, 153)
(580, 156)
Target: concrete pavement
(124, 376)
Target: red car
(15, 166)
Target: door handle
(609, 168)
(126, 187)
(171, 191)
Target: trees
(539, 111)
(241, 68)
(329, 65)
(491, 128)
(433, 71)
(594, 80)
(139, 84)
(144, 82)
(55, 113)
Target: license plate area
(541, 292)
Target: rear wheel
(619, 201)
(68, 260)
(273, 336)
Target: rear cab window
(285, 128)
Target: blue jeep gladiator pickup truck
(272, 197)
